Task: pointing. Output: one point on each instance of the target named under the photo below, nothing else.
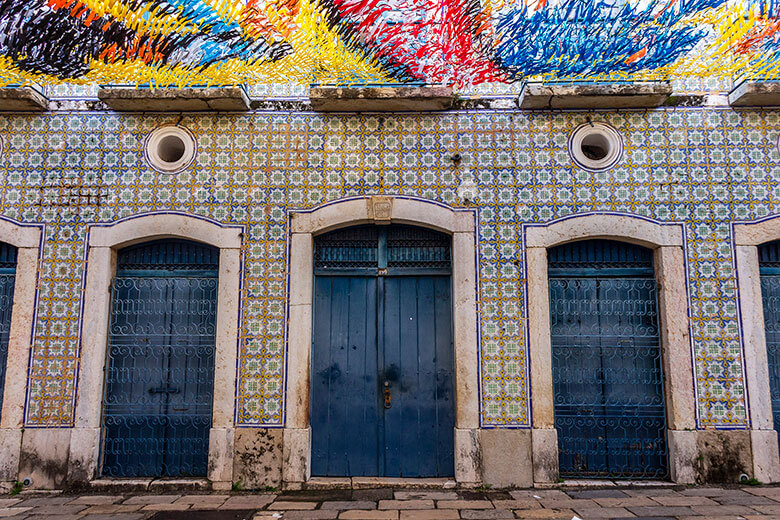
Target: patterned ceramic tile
(704, 167)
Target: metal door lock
(388, 398)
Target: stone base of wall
(265, 458)
(44, 457)
(257, 463)
(723, 456)
(506, 458)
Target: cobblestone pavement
(749, 503)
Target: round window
(595, 146)
(170, 149)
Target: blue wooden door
(160, 366)
(382, 359)
(7, 281)
(607, 379)
(769, 266)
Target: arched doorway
(382, 389)
(159, 383)
(606, 360)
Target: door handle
(388, 397)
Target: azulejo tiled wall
(702, 167)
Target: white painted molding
(27, 239)
(667, 241)
(305, 224)
(20, 235)
(757, 232)
(153, 226)
(361, 210)
(747, 237)
(104, 241)
(628, 228)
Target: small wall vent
(595, 146)
(170, 149)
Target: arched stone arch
(27, 238)
(667, 241)
(747, 237)
(103, 241)
(304, 225)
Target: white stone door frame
(28, 241)
(667, 241)
(763, 437)
(304, 225)
(103, 242)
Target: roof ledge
(594, 95)
(380, 98)
(755, 92)
(192, 99)
(22, 99)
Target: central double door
(382, 357)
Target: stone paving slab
(291, 506)
(369, 515)
(486, 514)
(311, 515)
(650, 503)
(464, 504)
(357, 504)
(425, 514)
(150, 499)
(95, 500)
(603, 512)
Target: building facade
(451, 294)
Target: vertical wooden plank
(320, 409)
(445, 383)
(406, 393)
(360, 383)
(425, 397)
(379, 312)
(391, 374)
(338, 447)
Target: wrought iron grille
(169, 255)
(351, 248)
(607, 377)
(769, 264)
(412, 247)
(396, 249)
(598, 256)
(7, 283)
(158, 396)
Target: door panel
(770, 292)
(390, 412)
(769, 265)
(8, 255)
(159, 381)
(417, 360)
(607, 378)
(345, 407)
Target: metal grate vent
(166, 255)
(769, 254)
(352, 248)
(599, 254)
(7, 256)
(396, 249)
(411, 247)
